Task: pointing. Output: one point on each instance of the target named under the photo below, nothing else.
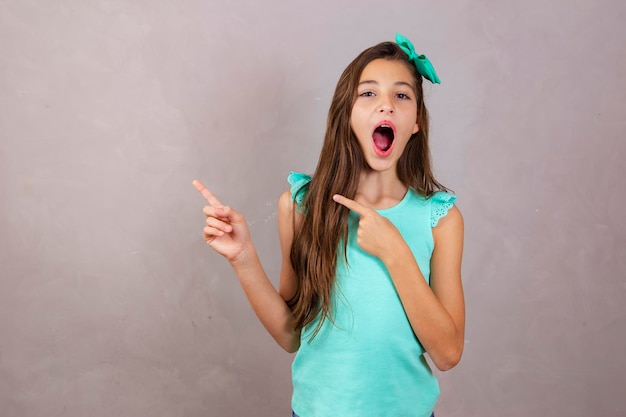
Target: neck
(380, 190)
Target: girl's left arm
(436, 312)
(445, 341)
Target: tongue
(382, 141)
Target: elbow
(290, 347)
(290, 344)
(444, 366)
(449, 360)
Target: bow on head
(423, 65)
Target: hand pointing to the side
(226, 230)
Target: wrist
(396, 254)
(244, 258)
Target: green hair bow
(423, 65)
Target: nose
(385, 108)
(385, 105)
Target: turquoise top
(369, 363)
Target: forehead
(386, 69)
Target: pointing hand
(376, 234)
(225, 230)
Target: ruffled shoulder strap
(299, 185)
(440, 203)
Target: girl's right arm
(227, 233)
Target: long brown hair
(317, 239)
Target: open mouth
(383, 138)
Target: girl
(371, 252)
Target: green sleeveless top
(368, 362)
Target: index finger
(208, 195)
(351, 204)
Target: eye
(366, 94)
(403, 96)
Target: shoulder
(293, 197)
(453, 218)
(445, 217)
(298, 186)
(441, 204)
(285, 203)
(449, 229)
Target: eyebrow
(397, 83)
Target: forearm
(265, 301)
(431, 322)
(227, 233)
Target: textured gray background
(110, 303)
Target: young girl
(371, 252)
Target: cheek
(358, 123)
(354, 120)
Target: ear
(416, 128)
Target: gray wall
(111, 304)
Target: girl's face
(384, 115)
